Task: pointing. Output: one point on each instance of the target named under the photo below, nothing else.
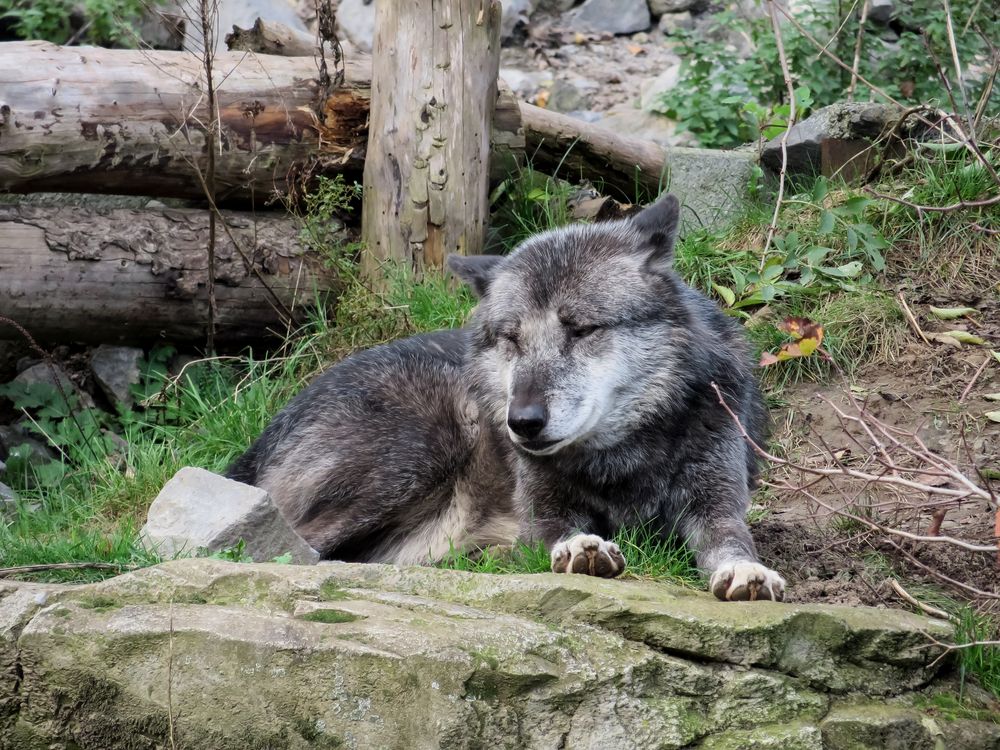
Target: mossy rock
(231, 655)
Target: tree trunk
(77, 274)
(78, 119)
(434, 88)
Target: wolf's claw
(588, 554)
(744, 580)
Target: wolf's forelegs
(725, 550)
(587, 554)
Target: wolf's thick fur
(577, 401)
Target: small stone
(612, 16)
(652, 89)
(526, 83)
(42, 372)
(641, 38)
(16, 442)
(356, 20)
(116, 370)
(659, 7)
(673, 23)
(571, 95)
(515, 13)
(6, 493)
(881, 11)
(200, 511)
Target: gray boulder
(210, 654)
(116, 370)
(611, 16)
(199, 511)
(831, 138)
(674, 23)
(356, 21)
(515, 13)
(881, 11)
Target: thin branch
(992, 201)
(786, 74)
(41, 568)
(926, 608)
(856, 65)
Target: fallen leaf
(943, 338)
(806, 339)
(726, 293)
(950, 313)
(993, 416)
(965, 337)
(636, 49)
(992, 396)
(996, 355)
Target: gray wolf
(577, 401)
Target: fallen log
(125, 275)
(79, 119)
(132, 122)
(574, 150)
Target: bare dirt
(934, 394)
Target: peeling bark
(79, 119)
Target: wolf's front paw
(744, 580)
(588, 554)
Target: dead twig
(773, 228)
(856, 65)
(42, 567)
(986, 360)
(926, 608)
(911, 319)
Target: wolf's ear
(475, 270)
(658, 226)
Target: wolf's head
(577, 335)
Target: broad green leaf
(853, 206)
(826, 223)
(816, 255)
(993, 416)
(852, 239)
(820, 189)
(772, 272)
(950, 313)
(846, 271)
(726, 293)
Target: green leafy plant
(106, 22)
(326, 205)
(728, 96)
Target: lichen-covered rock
(337, 655)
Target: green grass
(648, 555)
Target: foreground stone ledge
(365, 656)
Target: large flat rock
(226, 655)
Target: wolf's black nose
(527, 420)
